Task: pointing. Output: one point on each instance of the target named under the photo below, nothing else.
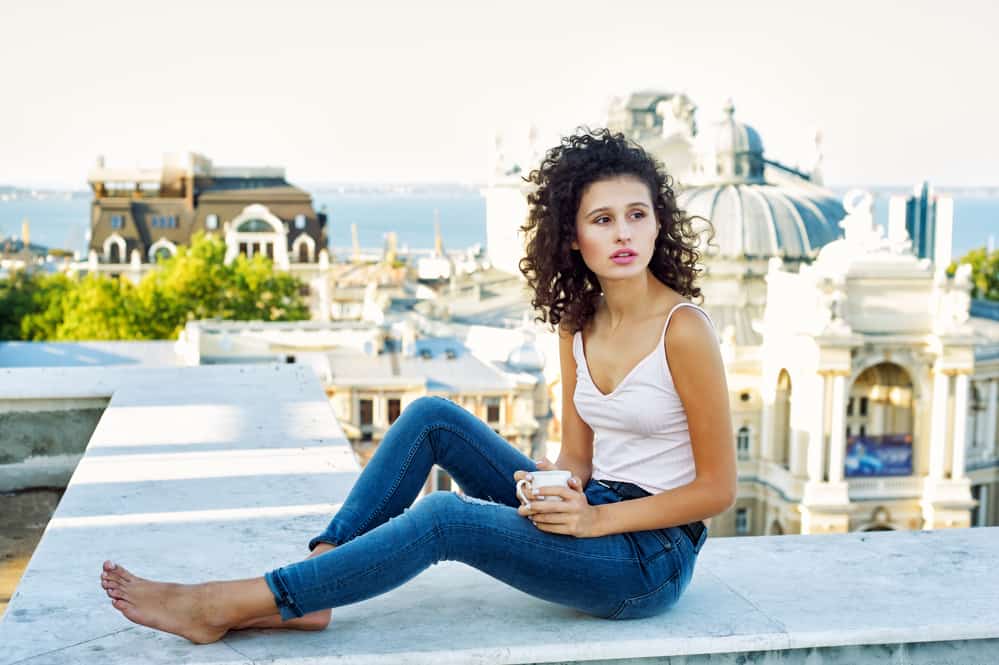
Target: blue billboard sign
(887, 455)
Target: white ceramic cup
(543, 479)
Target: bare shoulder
(690, 334)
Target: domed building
(863, 395)
(787, 216)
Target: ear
(574, 245)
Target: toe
(124, 574)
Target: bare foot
(313, 621)
(180, 609)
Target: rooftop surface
(225, 472)
(89, 354)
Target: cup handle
(522, 481)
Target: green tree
(100, 308)
(48, 307)
(984, 273)
(194, 284)
(16, 302)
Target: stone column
(960, 426)
(766, 431)
(817, 432)
(938, 425)
(877, 421)
(837, 434)
(990, 421)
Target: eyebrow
(605, 208)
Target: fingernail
(529, 477)
(527, 505)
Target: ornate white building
(863, 395)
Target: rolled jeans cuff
(322, 538)
(286, 605)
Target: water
(64, 223)
(975, 219)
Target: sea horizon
(60, 219)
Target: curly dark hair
(566, 292)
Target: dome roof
(732, 136)
(526, 358)
(760, 220)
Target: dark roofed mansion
(141, 215)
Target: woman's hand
(573, 515)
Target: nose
(623, 231)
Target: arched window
(255, 226)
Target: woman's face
(616, 227)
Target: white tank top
(640, 430)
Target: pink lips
(623, 259)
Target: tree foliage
(984, 273)
(194, 284)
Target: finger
(553, 518)
(563, 529)
(565, 493)
(543, 463)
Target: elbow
(724, 495)
(728, 498)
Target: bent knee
(429, 407)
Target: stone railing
(901, 487)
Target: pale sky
(415, 91)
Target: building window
(849, 407)
(117, 221)
(367, 412)
(863, 406)
(492, 410)
(980, 513)
(394, 409)
(212, 222)
(299, 221)
(741, 521)
(742, 443)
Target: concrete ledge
(225, 472)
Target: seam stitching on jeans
(375, 568)
(461, 435)
(402, 472)
(629, 601)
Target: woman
(646, 433)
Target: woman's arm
(699, 376)
(576, 453)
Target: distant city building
(926, 220)
(148, 213)
(372, 371)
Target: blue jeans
(384, 539)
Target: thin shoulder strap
(669, 316)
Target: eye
(638, 214)
(601, 219)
